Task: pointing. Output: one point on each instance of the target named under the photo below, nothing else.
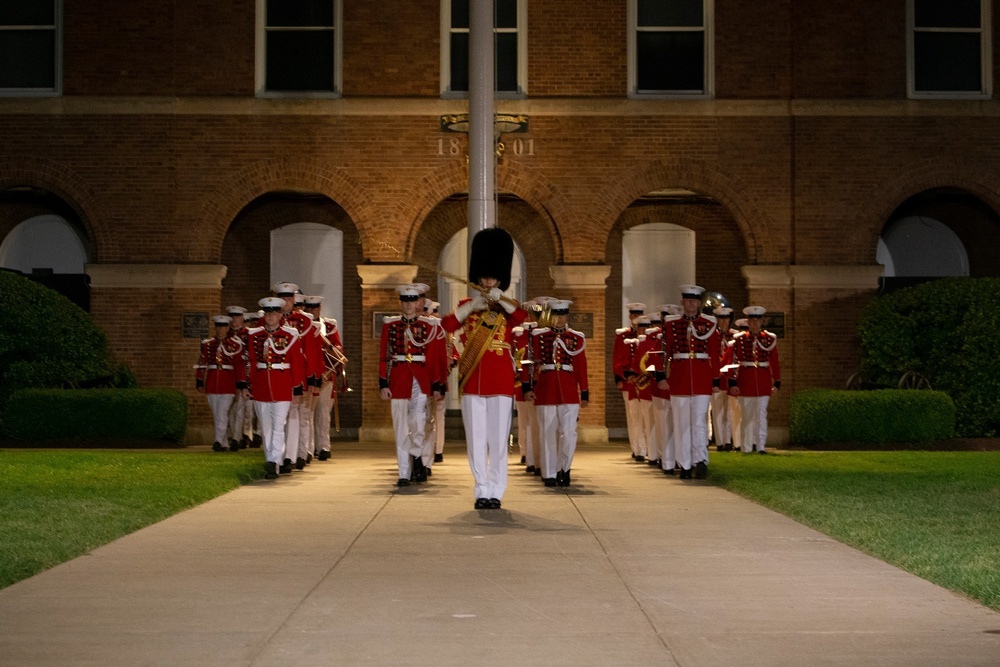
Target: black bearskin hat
(491, 256)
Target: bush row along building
(183, 156)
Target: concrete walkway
(627, 567)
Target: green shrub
(882, 415)
(93, 414)
(945, 330)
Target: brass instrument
(643, 378)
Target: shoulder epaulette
(710, 318)
(653, 331)
(392, 318)
(535, 332)
(578, 333)
(254, 330)
(772, 335)
(619, 332)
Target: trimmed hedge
(881, 415)
(946, 330)
(89, 414)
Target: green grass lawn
(56, 504)
(935, 514)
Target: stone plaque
(582, 322)
(775, 323)
(194, 325)
(377, 317)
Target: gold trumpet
(643, 379)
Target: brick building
(186, 155)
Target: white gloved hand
(509, 306)
(495, 294)
(479, 302)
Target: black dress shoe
(285, 468)
(402, 481)
(655, 462)
(700, 470)
(762, 451)
(438, 458)
(300, 463)
(669, 472)
(538, 472)
(244, 442)
(530, 470)
(256, 441)
(566, 478)
(217, 447)
(427, 471)
(309, 459)
(493, 503)
(685, 473)
(559, 478)
(323, 455)
(270, 470)
(639, 458)
(234, 445)
(549, 481)
(524, 460)
(419, 471)
(482, 504)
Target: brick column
(378, 295)
(586, 286)
(142, 308)
(822, 305)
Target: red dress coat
(623, 360)
(651, 347)
(560, 366)
(219, 364)
(276, 365)
(412, 350)
(693, 347)
(494, 374)
(523, 369)
(309, 347)
(759, 368)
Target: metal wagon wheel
(914, 380)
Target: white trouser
(430, 432)
(238, 417)
(321, 417)
(754, 424)
(527, 431)
(690, 415)
(557, 432)
(409, 423)
(272, 418)
(735, 420)
(292, 434)
(633, 419)
(220, 404)
(648, 419)
(663, 432)
(487, 426)
(299, 429)
(307, 433)
(439, 408)
(720, 418)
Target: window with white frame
(30, 47)
(949, 48)
(510, 48)
(299, 48)
(670, 48)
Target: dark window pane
(300, 13)
(459, 13)
(950, 14)
(947, 62)
(460, 61)
(300, 61)
(670, 13)
(506, 57)
(27, 59)
(27, 12)
(506, 13)
(670, 61)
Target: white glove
(495, 294)
(465, 309)
(508, 306)
(479, 302)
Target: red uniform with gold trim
(693, 347)
(623, 359)
(758, 365)
(726, 357)
(219, 365)
(276, 366)
(560, 366)
(494, 374)
(650, 348)
(310, 347)
(523, 357)
(412, 349)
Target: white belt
(269, 366)
(755, 364)
(408, 357)
(689, 355)
(556, 367)
(223, 367)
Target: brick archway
(888, 196)
(695, 175)
(523, 182)
(239, 190)
(71, 189)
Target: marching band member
(758, 374)
(486, 368)
(332, 380)
(524, 368)
(299, 416)
(275, 379)
(721, 424)
(216, 377)
(240, 415)
(622, 363)
(412, 367)
(559, 391)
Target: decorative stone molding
(833, 276)
(580, 276)
(156, 276)
(386, 276)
